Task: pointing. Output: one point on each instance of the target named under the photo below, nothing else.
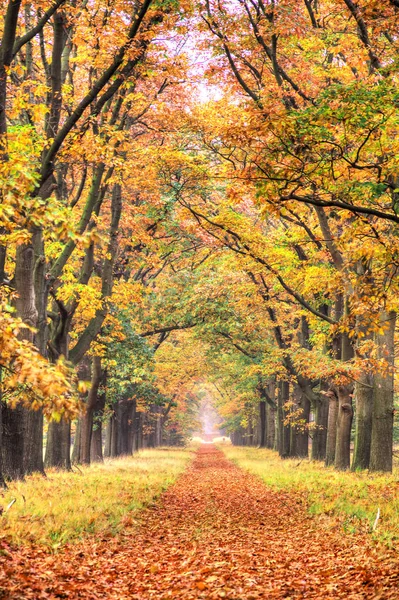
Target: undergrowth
(99, 499)
(348, 500)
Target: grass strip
(100, 499)
(349, 500)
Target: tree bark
(331, 427)
(58, 449)
(96, 446)
(96, 450)
(87, 419)
(299, 433)
(382, 427)
(319, 441)
(16, 461)
(262, 424)
(344, 424)
(283, 429)
(13, 437)
(33, 443)
(364, 393)
(111, 437)
(271, 427)
(6, 55)
(280, 422)
(2, 481)
(76, 451)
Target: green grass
(348, 499)
(101, 499)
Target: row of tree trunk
(288, 422)
(102, 431)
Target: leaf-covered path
(217, 533)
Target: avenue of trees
(198, 199)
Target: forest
(199, 236)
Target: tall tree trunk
(280, 422)
(58, 448)
(15, 420)
(158, 427)
(364, 391)
(76, 451)
(96, 450)
(271, 410)
(122, 420)
(284, 429)
(33, 446)
(262, 424)
(271, 427)
(87, 419)
(332, 427)
(33, 443)
(96, 446)
(301, 434)
(13, 437)
(136, 431)
(382, 428)
(131, 415)
(250, 433)
(2, 481)
(344, 425)
(363, 398)
(319, 441)
(6, 56)
(341, 350)
(111, 437)
(140, 434)
(108, 437)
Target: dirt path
(218, 533)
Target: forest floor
(218, 532)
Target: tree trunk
(319, 441)
(271, 427)
(2, 481)
(299, 431)
(15, 421)
(331, 427)
(58, 449)
(33, 443)
(131, 426)
(96, 449)
(262, 424)
(96, 446)
(140, 435)
(344, 425)
(284, 433)
(87, 419)
(33, 448)
(108, 438)
(111, 437)
(158, 427)
(122, 421)
(13, 437)
(250, 433)
(280, 423)
(382, 428)
(364, 391)
(76, 451)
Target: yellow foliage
(27, 377)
